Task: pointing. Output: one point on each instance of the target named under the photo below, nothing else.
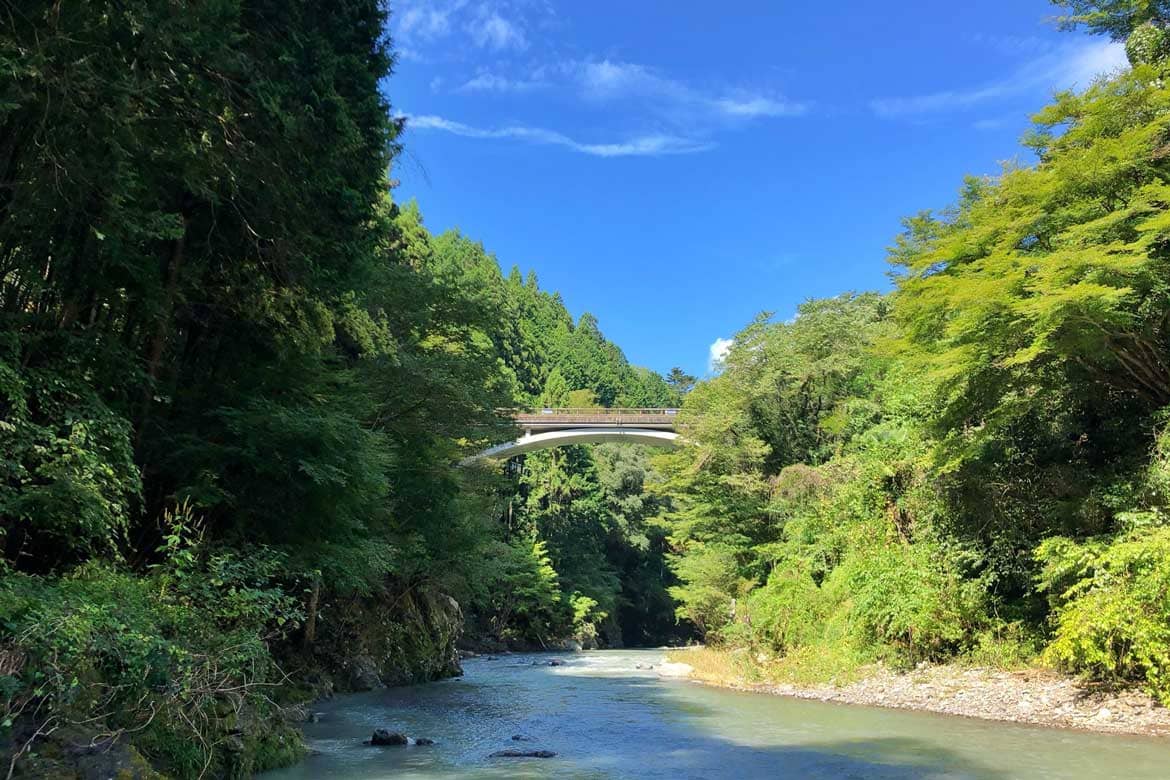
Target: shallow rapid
(608, 715)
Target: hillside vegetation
(976, 465)
(237, 377)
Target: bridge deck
(587, 418)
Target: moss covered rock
(399, 637)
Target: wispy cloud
(496, 25)
(610, 81)
(490, 30)
(640, 146)
(751, 107)
(607, 80)
(995, 123)
(491, 82)
(424, 23)
(1060, 67)
(717, 353)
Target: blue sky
(676, 168)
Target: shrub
(1111, 607)
(905, 598)
(177, 661)
(787, 612)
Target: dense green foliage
(975, 464)
(235, 377)
(1116, 18)
(576, 537)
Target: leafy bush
(178, 662)
(522, 598)
(1111, 607)
(67, 473)
(586, 617)
(787, 612)
(906, 598)
(712, 585)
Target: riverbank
(1033, 696)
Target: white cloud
(497, 25)
(607, 80)
(717, 352)
(616, 80)
(424, 23)
(1063, 67)
(759, 106)
(1092, 61)
(490, 30)
(641, 146)
(491, 82)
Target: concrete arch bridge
(545, 428)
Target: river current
(607, 715)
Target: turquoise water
(606, 718)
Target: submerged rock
(424, 741)
(513, 753)
(520, 738)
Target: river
(607, 718)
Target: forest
(237, 376)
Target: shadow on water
(698, 752)
(607, 723)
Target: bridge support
(531, 441)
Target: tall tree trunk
(162, 327)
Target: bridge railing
(597, 410)
(564, 415)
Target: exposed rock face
(396, 638)
(363, 674)
(447, 617)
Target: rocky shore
(1032, 696)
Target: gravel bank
(1033, 696)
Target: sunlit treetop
(1115, 18)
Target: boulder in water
(384, 737)
(424, 741)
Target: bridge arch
(546, 428)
